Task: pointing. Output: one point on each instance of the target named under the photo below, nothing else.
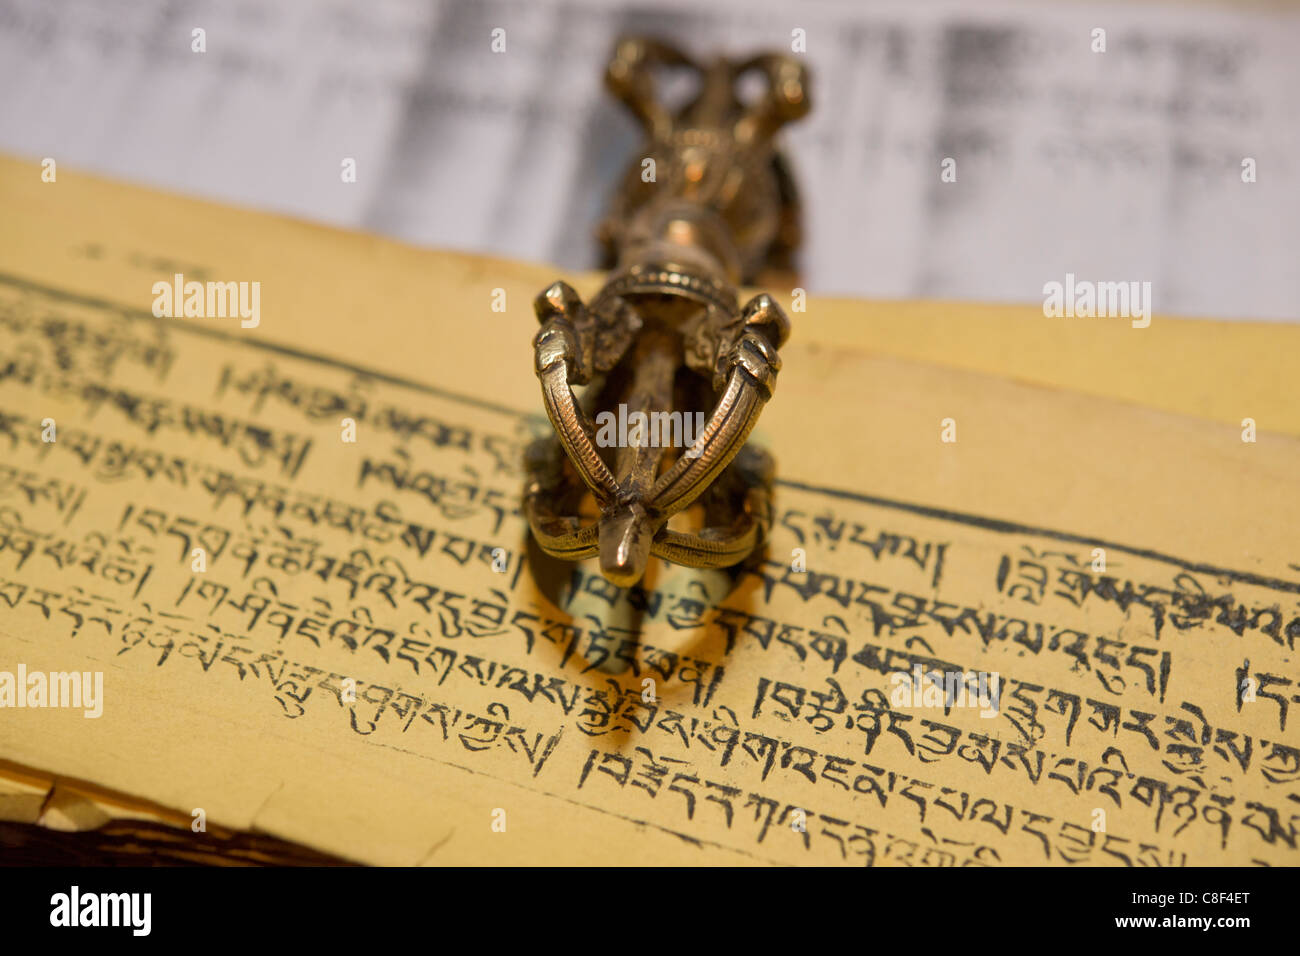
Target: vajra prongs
(670, 362)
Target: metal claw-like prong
(630, 77)
(560, 310)
(753, 367)
(785, 100)
(626, 535)
(763, 314)
(557, 300)
(559, 361)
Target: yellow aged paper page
(342, 643)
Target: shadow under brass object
(665, 345)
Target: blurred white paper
(1121, 165)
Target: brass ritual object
(665, 346)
